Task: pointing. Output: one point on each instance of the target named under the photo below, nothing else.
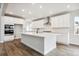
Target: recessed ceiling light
(23, 10)
(30, 12)
(41, 6)
(68, 6)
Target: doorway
(17, 30)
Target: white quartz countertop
(43, 34)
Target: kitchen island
(41, 42)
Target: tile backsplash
(53, 30)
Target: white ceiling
(37, 10)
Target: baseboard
(75, 45)
(62, 44)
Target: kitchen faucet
(37, 30)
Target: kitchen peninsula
(41, 42)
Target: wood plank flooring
(16, 48)
(65, 50)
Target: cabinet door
(37, 24)
(61, 21)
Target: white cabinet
(58, 21)
(11, 21)
(38, 24)
(61, 21)
(61, 24)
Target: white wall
(9, 20)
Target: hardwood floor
(16, 48)
(65, 50)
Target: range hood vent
(48, 23)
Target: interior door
(18, 30)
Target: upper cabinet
(12, 20)
(61, 21)
(58, 21)
(38, 24)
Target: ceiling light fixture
(41, 6)
(23, 10)
(68, 6)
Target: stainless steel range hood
(48, 23)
